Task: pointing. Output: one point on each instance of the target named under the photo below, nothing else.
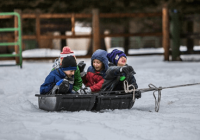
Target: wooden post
(73, 24)
(38, 29)
(165, 32)
(175, 35)
(95, 29)
(16, 33)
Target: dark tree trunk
(190, 41)
(126, 39)
(63, 41)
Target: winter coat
(111, 76)
(77, 77)
(94, 79)
(50, 81)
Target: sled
(99, 101)
(68, 102)
(113, 101)
(88, 102)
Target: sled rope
(157, 101)
(127, 90)
(154, 89)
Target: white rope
(127, 90)
(157, 102)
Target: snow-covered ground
(177, 119)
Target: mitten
(81, 66)
(63, 86)
(126, 69)
(86, 90)
(55, 89)
(56, 63)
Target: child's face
(69, 73)
(98, 65)
(122, 61)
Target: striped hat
(115, 55)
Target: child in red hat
(58, 62)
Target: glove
(138, 94)
(56, 63)
(126, 69)
(55, 89)
(81, 66)
(86, 90)
(61, 87)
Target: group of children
(65, 77)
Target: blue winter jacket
(53, 77)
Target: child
(61, 80)
(93, 80)
(77, 78)
(118, 72)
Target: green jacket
(77, 80)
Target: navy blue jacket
(53, 77)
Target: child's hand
(81, 66)
(64, 86)
(126, 69)
(61, 87)
(86, 90)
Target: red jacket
(93, 79)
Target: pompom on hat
(66, 52)
(115, 55)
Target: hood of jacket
(102, 56)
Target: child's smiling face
(122, 61)
(69, 73)
(97, 64)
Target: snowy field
(177, 119)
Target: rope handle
(157, 101)
(127, 90)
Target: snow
(177, 119)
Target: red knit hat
(66, 52)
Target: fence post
(73, 24)
(165, 32)
(95, 29)
(16, 33)
(38, 28)
(175, 35)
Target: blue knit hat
(115, 55)
(69, 63)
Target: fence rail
(95, 35)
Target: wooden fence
(95, 35)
